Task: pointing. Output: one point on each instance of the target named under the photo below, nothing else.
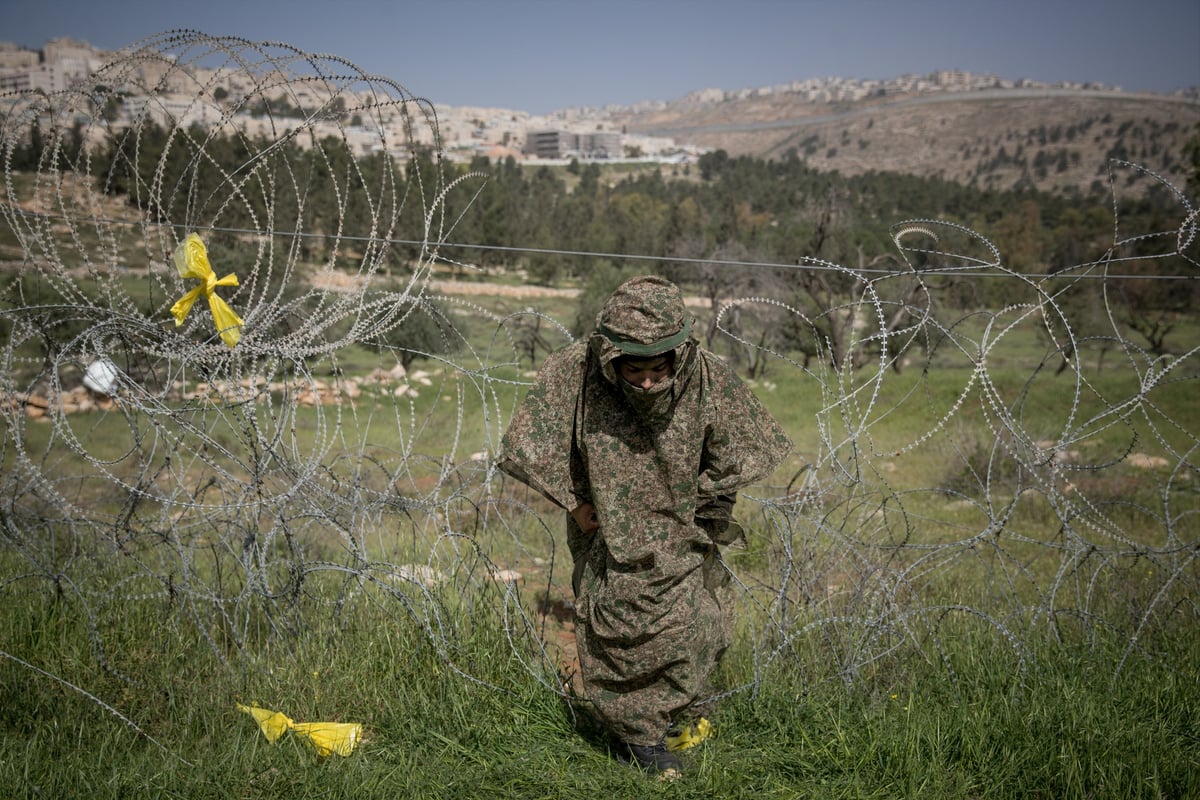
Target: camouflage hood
(646, 317)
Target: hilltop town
(205, 96)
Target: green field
(972, 578)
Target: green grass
(164, 632)
(1068, 728)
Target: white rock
(418, 573)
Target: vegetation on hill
(1055, 142)
(588, 224)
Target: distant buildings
(204, 96)
(566, 144)
(61, 62)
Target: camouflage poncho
(662, 466)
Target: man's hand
(585, 517)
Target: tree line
(591, 224)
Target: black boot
(655, 759)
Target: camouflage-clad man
(645, 438)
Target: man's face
(645, 372)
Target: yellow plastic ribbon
(690, 736)
(191, 259)
(330, 737)
(273, 724)
(326, 738)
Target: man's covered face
(645, 372)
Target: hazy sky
(542, 55)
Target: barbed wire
(943, 488)
(1087, 269)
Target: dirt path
(522, 292)
(498, 290)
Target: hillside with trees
(730, 225)
(1055, 141)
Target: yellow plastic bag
(326, 738)
(330, 737)
(272, 723)
(191, 260)
(690, 736)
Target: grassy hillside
(1052, 140)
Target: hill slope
(1053, 140)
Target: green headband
(634, 348)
